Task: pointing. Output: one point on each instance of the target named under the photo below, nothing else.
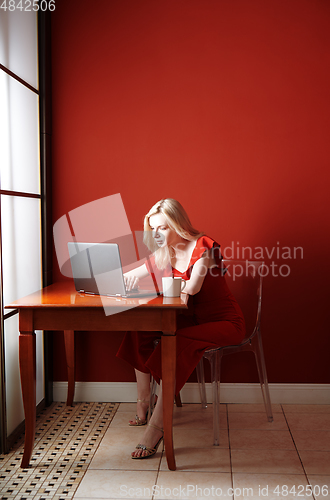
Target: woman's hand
(133, 277)
(131, 282)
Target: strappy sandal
(140, 421)
(150, 451)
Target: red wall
(224, 106)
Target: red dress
(214, 320)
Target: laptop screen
(96, 268)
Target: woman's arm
(198, 274)
(132, 277)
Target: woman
(214, 318)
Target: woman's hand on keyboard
(131, 282)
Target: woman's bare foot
(142, 406)
(149, 442)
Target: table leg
(168, 345)
(70, 361)
(27, 360)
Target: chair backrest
(244, 279)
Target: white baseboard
(122, 392)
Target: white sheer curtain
(20, 192)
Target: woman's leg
(143, 394)
(151, 434)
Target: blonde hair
(177, 220)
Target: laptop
(97, 270)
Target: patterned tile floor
(66, 441)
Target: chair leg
(215, 360)
(178, 401)
(261, 366)
(201, 382)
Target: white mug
(172, 287)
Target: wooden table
(60, 307)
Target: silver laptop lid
(96, 268)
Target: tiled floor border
(66, 441)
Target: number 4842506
(28, 5)
(301, 490)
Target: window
(20, 200)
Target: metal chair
(244, 279)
